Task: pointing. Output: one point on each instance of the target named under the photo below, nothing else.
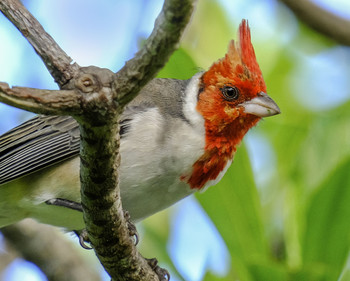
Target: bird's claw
(131, 227)
(82, 234)
(83, 239)
(162, 273)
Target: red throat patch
(219, 149)
(224, 118)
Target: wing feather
(40, 142)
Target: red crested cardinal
(177, 137)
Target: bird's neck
(220, 147)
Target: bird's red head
(238, 69)
(232, 99)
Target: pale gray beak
(262, 106)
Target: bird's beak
(262, 106)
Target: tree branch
(156, 50)
(56, 60)
(42, 245)
(101, 202)
(321, 20)
(100, 161)
(40, 101)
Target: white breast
(154, 155)
(156, 152)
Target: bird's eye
(230, 93)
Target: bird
(177, 137)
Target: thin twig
(321, 20)
(56, 60)
(156, 51)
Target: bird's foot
(83, 238)
(162, 273)
(131, 227)
(82, 234)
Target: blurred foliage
(296, 224)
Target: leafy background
(282, 212)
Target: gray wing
(47, 140)
(37, 143)
(40, 142)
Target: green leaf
(153, 241)
(268, 271)
(326, 242)
(179, 66)
(345, 275)
(209, 33)
(209, 276)
(233, 206)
